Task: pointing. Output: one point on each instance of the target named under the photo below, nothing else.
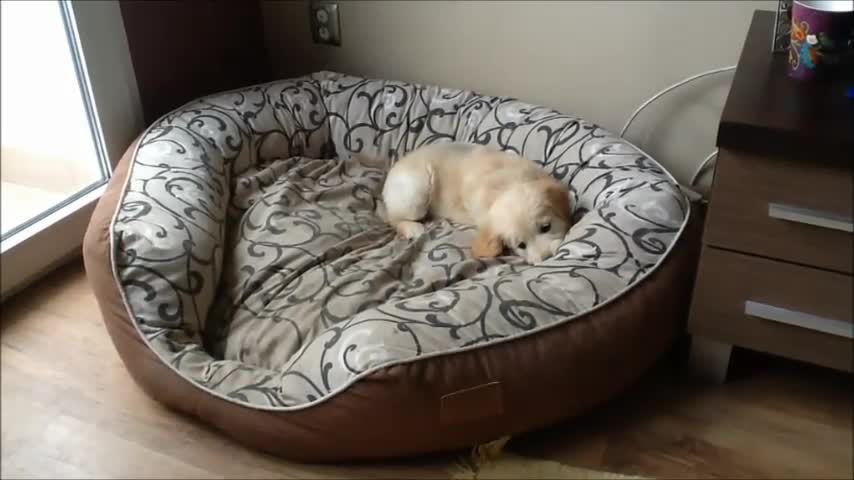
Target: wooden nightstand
(775, 271)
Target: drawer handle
(810, 217)
(799, 319)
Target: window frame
(96, 31)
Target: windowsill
(53, 217)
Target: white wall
(596, 59)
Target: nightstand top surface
(768, 112)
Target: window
(51, 148)
(70, 107)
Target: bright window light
(50, 154)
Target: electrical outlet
(325, 25)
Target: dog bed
(245, 278)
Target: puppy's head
(529, 218)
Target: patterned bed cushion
(249, 255)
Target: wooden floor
(69, 409)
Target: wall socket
(325, 25)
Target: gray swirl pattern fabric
(251, 259)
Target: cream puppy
(512, 201)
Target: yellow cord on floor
(491, 461)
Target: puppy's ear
(558, 198)
(486, 244)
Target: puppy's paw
(410, 230)
(486, 244)
(370, 162)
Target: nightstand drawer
(790, 310)
(795, 211)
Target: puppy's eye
(544, 228)
(521, 245)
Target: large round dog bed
(245, 278)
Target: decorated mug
(821, 38)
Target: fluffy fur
(512, 201)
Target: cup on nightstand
(821, 38)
